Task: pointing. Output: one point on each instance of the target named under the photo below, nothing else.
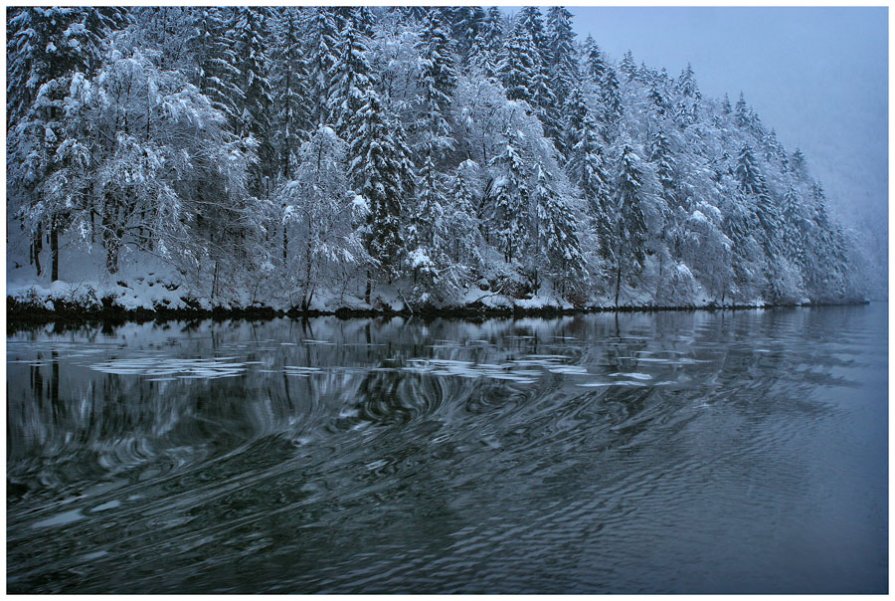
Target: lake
(674, 452)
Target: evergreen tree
(511, 199)
(321, 53)
(381, 173)
(251, 42)
(427, 236)
(437, 82)
(662, 158)
(658, 100)
(352, 77)
(290, 84)
(595, 65)
(543, 98)
(554, 237)
(218, 77)
(687, 109)
(467, 27)
(741, 113)
(464, 238)
(363, 20)
(44, 44)
(518, 66)
(50, 51)
(485, 48)
(610, 98)
(562, 67)
(532, 20)
(798, 164)
(628, 66)
(587, 170)
(630, 227)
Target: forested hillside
(328, 157)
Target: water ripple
(632, 453)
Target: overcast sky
(819, 76)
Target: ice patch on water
(113, 504)
(617, 383)
(215, 367)
(568, 369)
(634, 374)
(60, 519)
(301, 371)
(468, 369)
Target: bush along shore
(83, 304)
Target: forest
(313, 158)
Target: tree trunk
(309, 252)
(111, 253)
(369, 290)
(54, 250)
(618, 283)
(110, 240)
(36, 248)
(214, 281)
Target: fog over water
(819, 76)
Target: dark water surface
(643, 453)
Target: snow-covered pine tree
(437, 80)
(628, 66)
(427, 237)
(587, 169)
(510, 199)
(363, 20)
(351, 79)
(381, 173)
(630, 227)
(44, 44)
(321, 51)
(251, 40)
(467, 27)
(753, 184)
(555, 239)
(686, 112)
(519, 65)
(290, 81)
(594, 63)
(49, 51)
(485, 48)
(611, 101)
(798, 164)
(562, 66)
(741, 116)
(217, 76)
(543, 97)
(725, 105)
(662, 157)
(462, 225)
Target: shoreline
(20, 314)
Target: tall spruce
(437, 80)
(251, 40)
(630, 227)
(290, 79)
